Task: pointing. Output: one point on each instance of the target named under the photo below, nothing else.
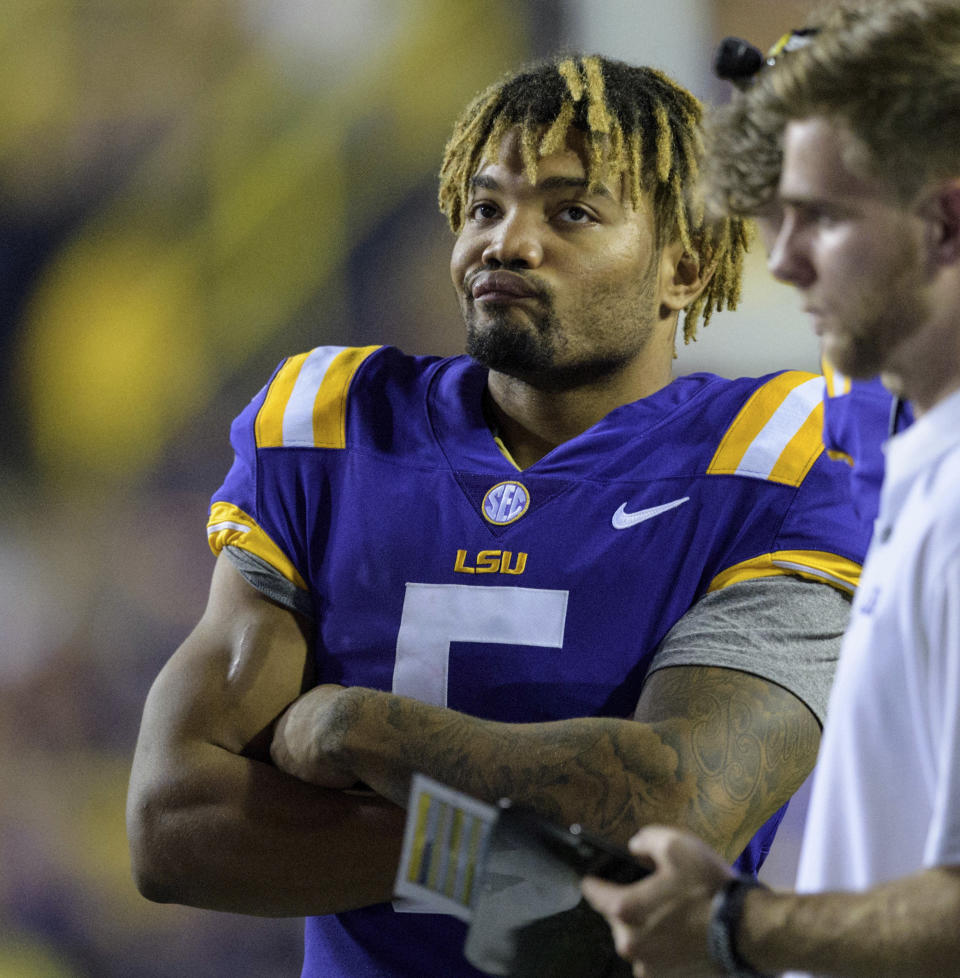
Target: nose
(515, 241)
(788, 259)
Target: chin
(499, 344)
(855, 363)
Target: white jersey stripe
(819, 572)
(298, 414)
(227, 525)
(764, 451)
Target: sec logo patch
(505, 503)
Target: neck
(532, 422)
(925, 368)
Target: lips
(502, 286)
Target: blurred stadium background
(189, 190)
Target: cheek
(862, 257)
(624, 261)
(841, 261)
(459, 261)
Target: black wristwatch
(725, 913)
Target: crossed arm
(214, 823)
(211, 822)
(715, 750)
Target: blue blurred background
(190, 190)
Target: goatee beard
(530, 356)
(502, 346)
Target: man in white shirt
(870, 189)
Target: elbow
(152, 846)
(151, 886)
(151, 883)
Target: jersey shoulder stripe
(815, 565)
(777, 434)
(229, 525)
(306, 402)
(838, 384)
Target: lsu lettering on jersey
(435, 568)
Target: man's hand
(660, 924)
(304, 733)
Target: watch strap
(725, 913)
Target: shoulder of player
(767, 428)
(771, 427)
(313, 397)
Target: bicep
(211, 822)
(738, 690)
(245, 661)
(744, 746)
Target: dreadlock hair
(635, 121)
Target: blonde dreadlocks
(636, 121)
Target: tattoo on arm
(714, 750)
(746, 743)
(603, 772)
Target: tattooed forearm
(747, 744)
(598, 771)
(604, 773)
(714, 750)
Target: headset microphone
(737, 61)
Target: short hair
(889, 72)
(634, 119)
(742, 170)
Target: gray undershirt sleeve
(269, 581)
(784, 629)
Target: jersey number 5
(434, 615)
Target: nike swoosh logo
(622, 519)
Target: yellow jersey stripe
(329, 409)
(839, 456)
(815, 565)
(774, 436)
(306, 405)
(229, 525)
(837, 383)
(268, 428)
(802, 450)
(298, 411)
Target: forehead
(823, 160)
(564, 169)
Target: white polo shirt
(886, 792)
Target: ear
(943, 214)
(681, 278)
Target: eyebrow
(800, 202)
(485, 182)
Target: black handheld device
(586, 853)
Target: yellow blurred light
(112, 358)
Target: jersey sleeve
(258, 515)
(269, 581)
(776, 437)
(782, 629)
